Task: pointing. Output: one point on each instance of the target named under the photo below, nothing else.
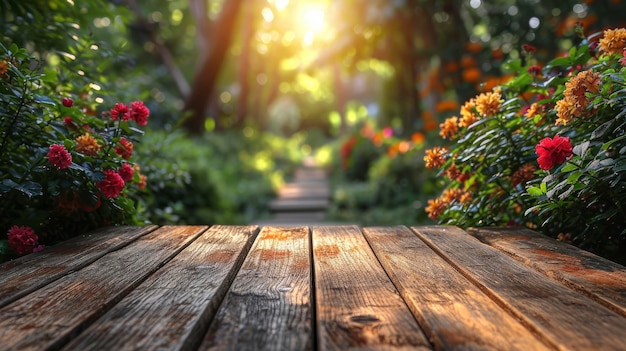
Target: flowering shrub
(64, 168)
(546, 150)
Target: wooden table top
(309, 288)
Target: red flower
(553, 151)
(125, 148)
(139, 113)
(535, 70)
(23, 240)
(120, 111)
(529, 48)
(59, 156)
(346, 150)
(126, 172)
(112, 185)
(67, 102)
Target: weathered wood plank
(29, 273)
(568, 320)
(357, 305)
(455, 314)
(172, 309)
(600, 279)
(268, 306)
(50, 316)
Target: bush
(380, 176)
(65, 163)
(226, 178)
(545, 150)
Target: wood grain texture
(357, 305)
(600, 279)
(455, 314)
(268, 306)
(568, 320)
(50, 316)
(29, 273)
(172, 309)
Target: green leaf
(602, 130)
(581, 149)
(569, 167)
(41, 99)
(608, 144)
(573, 178)
(8, 185)
(620, 166)
(5, 250)
(535, 191)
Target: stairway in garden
(302, 201)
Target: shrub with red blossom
(553, 151)
(23, 240)
(567, 118)
(126, 172)
(65, 163)
(111, 185)
(59, 156)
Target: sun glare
(281, 4)
(312, 21)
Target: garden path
(301, 201)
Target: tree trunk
(247, 30)
(164, 53)
(207, 74)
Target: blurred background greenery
(241, 91)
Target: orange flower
(87, 145)
(575, 99)
(465, 198)
(564, 112)
(124, 148)
(392, 151)
(455, 174)
(450, 195)
(524, 174)
(435, 208)
(613, 41)
(449, 128)
(4, 66)
(533, 110)
(418, 138)
(435, 157)
(404, 147)
(488, 104)
(471, 75)
(459, 195)
(467, 61)
(143, 181)
(474, 47)
(468, 116)
(446, 105)
(430, 124)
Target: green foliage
(584, 198)
(58, 200)
(379, 177)
(226, 178)
(490, 167)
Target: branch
(164, 53)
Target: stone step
(298, 205)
